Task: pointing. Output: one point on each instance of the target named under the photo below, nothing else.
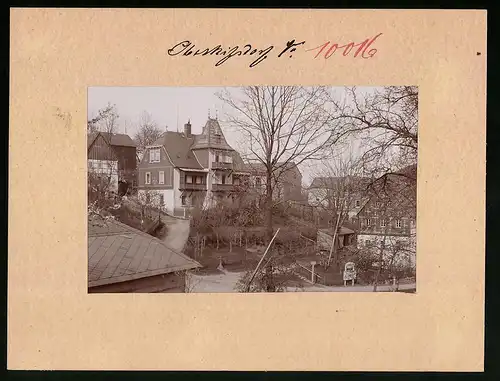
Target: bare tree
(148, 132)
(386, 120)
(105, 121)
(282, 126)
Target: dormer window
(154, 155)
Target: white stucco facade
(107, 169)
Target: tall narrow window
(216, 157)
(148, 177)
(154, 155)
(368, 222)
(382, 223)
(198, 179)
(258, 182)
(398, 223)
(223, 179)
(161, 178)
(357, 203)
(189, 179)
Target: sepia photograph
(252, 189)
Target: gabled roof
(119, 253)
(178, 147)
(118, 140)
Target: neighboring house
(124, 259)
(323, 193)
(182, 169)
(125, 153)
(102, 162)
(388, 218)
(287, 187)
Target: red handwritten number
(320, 50)
(362, 48)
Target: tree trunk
(217, 235)
(269, 281)
(380, 258)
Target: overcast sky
(170, 107)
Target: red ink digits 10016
(362, 48)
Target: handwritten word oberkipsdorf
(187, 48)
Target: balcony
(222, 187)
(189, 186)
(221, 165)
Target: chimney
(187, 129)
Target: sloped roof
(121, 140)
(342, 231)
(178, 147)
(207, 137)
(119, 253)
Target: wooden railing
(184, 185)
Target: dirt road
(178, 233)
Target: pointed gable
(212, 137)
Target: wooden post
(313, 280)
(260, 262)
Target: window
(223, 179)
(154, 155)
(183, 200)
(258, 182)
(229, 159)
(148, 177)
(198, 179)
(357, 203)
(162, 201)
(412, 223)
(368, 242)
(368, 222)
(161, 179)
(236, 181)
(189, 179)
(382, 223)
(216, 157)
(218, 139)
(398, 223)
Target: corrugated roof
(119, 253)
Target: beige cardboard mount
(56, 54)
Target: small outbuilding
(122, 259)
